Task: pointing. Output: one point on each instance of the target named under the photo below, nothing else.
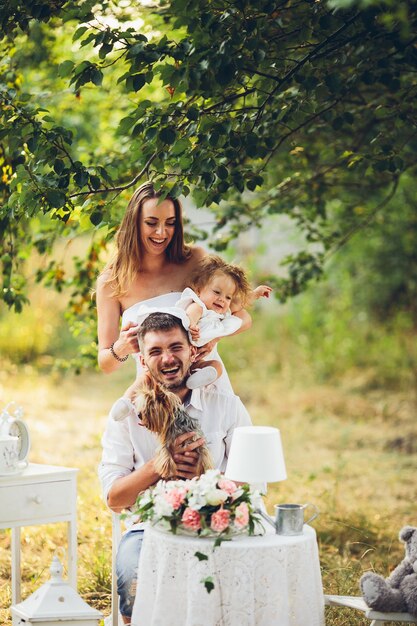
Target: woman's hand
(206, 349)
(128, 340)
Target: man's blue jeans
(127, 569)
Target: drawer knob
(37, 499)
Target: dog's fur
(162, 412)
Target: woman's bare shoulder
(197, 253)
(102, 284)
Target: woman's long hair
(127, 261)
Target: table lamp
(256, 456)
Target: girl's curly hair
(213, 264)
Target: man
(127, 465)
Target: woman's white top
(211, 324)
(168, 303)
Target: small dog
(163, 413)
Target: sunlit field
(350, 445)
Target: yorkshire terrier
(163, 413)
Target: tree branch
(119, 187)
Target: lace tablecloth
(258, 581)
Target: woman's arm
(124, 341)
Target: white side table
(41, 494)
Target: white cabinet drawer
(34, 502)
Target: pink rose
(242, 515)
(220, 520)
(227, 485)
(191, 519)
(175, 497)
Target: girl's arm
(263, 291)
(194, 313)
(124, 341)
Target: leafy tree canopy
(255, 107)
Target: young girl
(210, 308)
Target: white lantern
(55, 603)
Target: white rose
(196, 501)
(216, 496)
(162, 507)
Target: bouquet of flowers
(208, 506)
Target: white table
(41, 494)
(259, 581)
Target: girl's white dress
(211, 324)
(168, 303)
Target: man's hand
(185, 454)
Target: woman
(151, 266)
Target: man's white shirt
(127, 445)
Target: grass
(349, 440)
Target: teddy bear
(398, 592)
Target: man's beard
(174, 385)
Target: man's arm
(238, 417)
(125, 489)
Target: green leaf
(59, 166)
(65, 68)
(96, 217)
(55, 198)
(95, 181)
(200, 556)
(219, 540)
(96, 76)
(81, 178)
(104, 50)
(138, 81)
(208, 583)
(79, 32)
(193, 113)
(333, 82)
(222, 172)
(167, 135)
(181, 146)
(151, 133)
(254, 182)
(259, 55)
(226, 73)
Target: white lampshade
(256, 455)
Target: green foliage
(382, 263)
(208, 583)
(255, 108)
